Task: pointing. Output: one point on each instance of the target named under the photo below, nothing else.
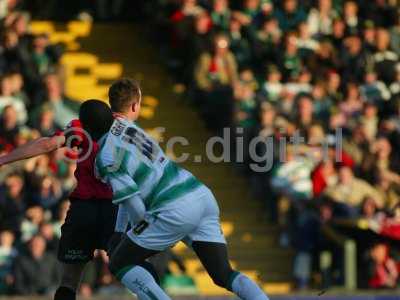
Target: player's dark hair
(96, 118)
(123, 93)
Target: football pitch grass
(362, 296)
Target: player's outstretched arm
(34, 148)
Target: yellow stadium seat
(62, 37)
(150, 101)
(277, 288)
(80, 60)
(94, 92)
(193, 266)
(207, 287)
(81, 81)
(108, 71)
(147, 112)
(179, 248)
(73, 46)
(247, 237)
(40, 27)
(80, 28)
(227, 228)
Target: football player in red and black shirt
(90, 221)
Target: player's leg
(70, 280)
(108, 213)
(164, 230)
(209, 244)
(128, 264)
(214, 257)
(76, 247)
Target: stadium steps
(119, 48)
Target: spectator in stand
(215, 75)
(322, 102)
(323, 176)
(382, 160)
(395, 85)
(48, 193)
(63, 108)
(290, 61)
(46, 230)
(336, 79)
(17, 84)
(352, 104)
(333, 87)
(369, 209)
(41, 59)
(221, 14)
(8, 253)
(306, 43)
(369, 121)
(305, 114)
(7, 99)
(338, 33)
(290, 15)
(266, 41)
(389, 191)
(350, 191)
(12, 203)
(293, 177)
(368, 35)
(395, 37)
(384, 59)
(36, 272)
(320, 19)
(350, 16)
(45, 124)
(201, 40)
(354, 59)
(35, 215)
(245, 107)
(382, 268)
(374, 91)
(9, 127)
(324, 60)
(271, 90)
(248, 14)
(239, 45)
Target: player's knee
(222, 278)
(149, 267)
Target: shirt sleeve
(115, 173)
(73, 133)
(123, 187)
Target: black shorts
(88, 226)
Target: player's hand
(114, 242)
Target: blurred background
(311, 224)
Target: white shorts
(193, 218)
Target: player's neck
(125, 116)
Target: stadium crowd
(272, 68)
(324, 70)
(34, 193)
